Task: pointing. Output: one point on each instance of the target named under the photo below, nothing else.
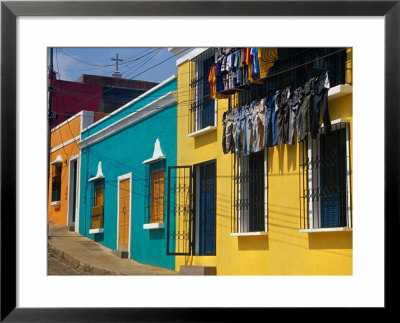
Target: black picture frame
(10, 10)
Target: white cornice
(99, 174)
(64, 144)
(58, 160)
(148, 110)
(66, 121)
(184, 54)
(87, 118)
(157, 154)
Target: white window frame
(243, 219)
(313, 176)
(197, 117)
(77, 192)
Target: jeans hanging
(271, 125)
(303, 121)
(229, 127)
(294, 108)
(283, 117)
(249, 128)
(320, 97)
(259, 125)
(241, 129)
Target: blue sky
(72, 62)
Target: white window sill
(96, 178)
(154, 160)
(100, 230)
(202, 131)
(325, 230)
(339, 90)
(248, 234)
(150, 226)
(56, 204)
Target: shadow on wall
(188, 260)
(253, 243)
(99, 237)
(292, 155)
(204, 140)
(158, 234)
(270, 159)
(281, 157)
(331, 240)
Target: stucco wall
(120, 154)
(284, 251)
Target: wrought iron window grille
(56, 183)
(191, 209)
(154, 201)
(249, 194)
(325, 179)
(202, 106)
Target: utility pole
(50, 114)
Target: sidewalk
(91, 258)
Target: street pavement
(55, 267)
(88, 257)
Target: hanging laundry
(212, 80)
(248, 63)
(283, 116)
(255, 63)
(238, 69)
(228, 121)
(259, 123)
(266, 58)
(249, 128)
(232, 72)
(241, 142)
(271, 125)
(294, 103)
(320, 97)
(218, 78)
(303, 122)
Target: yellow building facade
(287, 244)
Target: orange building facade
(63, 195)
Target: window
(249, 209)
(204, 208)
(56, 183)
(202, 106)
(154, 194)
(157, 196)
(191, 209)
(98, 205)
(326, 179)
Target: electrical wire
(187, 102)
(94, 96)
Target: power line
(106, 65)
(94, 96)
(207, 96)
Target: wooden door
(124, 211)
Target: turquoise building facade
(124, 162)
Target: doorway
(72, 193)
(124, 213)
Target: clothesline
(261, 81)
(273, 119)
